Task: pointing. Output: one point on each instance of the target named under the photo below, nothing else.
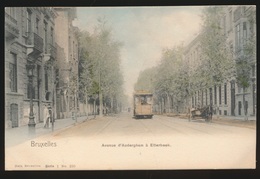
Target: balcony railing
(35, 41)
(11, 27)
(51, 49)
(10, 18)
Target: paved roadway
(121, 142)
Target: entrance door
(233, 102)
(14, 115)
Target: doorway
(14, 115)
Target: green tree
(217, 63)
(168, 81)
(100, 71)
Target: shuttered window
(13, 72)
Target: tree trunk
(100, 104)
(168, 103)
(94, 107)
(111, 104)
(161, 110)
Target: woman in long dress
(46, 117)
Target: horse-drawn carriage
(203, 112)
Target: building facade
(29, 39)
(67, 63)
(227, 98)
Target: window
(149, 99)
(230, 20)
(220, 94)
(244, 33)
(206, 96)
(202, 98)
(46, 79)
(237, 14)
(239, 107)
(238, 89)
(28, 21)
(210, 96)
(11, 11)
(238, 38)
(246, 106)
(225, 93)
(38, 80)
(199, 100)
(45, 35)
(215, 94)
(13, 72)
(195, 99)
(225, 112)
(37, 26)
(52, 39)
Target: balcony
(51, 49)
(34, 44)
(11, 27)
(50, 52)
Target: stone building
(29, 39)
(67, 62)
(226, 98)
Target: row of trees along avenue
(173, 81)
(100, 76)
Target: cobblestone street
(121, 142)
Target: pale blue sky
(144, 31)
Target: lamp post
(31, 123)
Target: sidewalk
(226, 120)
(236, 121)
(14, 136)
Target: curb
(66, 127)
(224, 121)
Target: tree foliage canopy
(99, 64)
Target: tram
(143, 104)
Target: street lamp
(31, 123)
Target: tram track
(185, 125)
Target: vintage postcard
(130, 88)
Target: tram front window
(149, 100)
(136, 100)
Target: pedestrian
(46, 117)
(50, 114)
